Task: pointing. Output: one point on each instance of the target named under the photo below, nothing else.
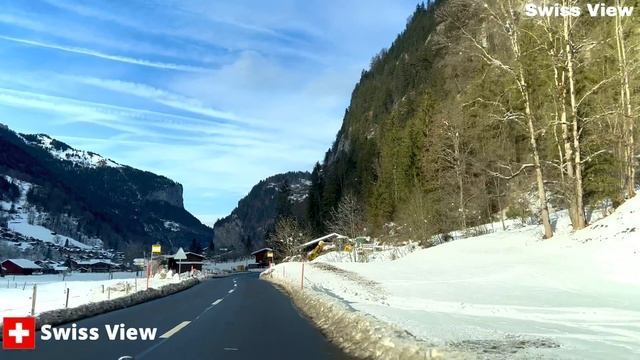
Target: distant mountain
(82, 195)
(245, 228)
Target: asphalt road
(238, 317)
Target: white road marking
(232, 290)
(216, 302)
(230, 349)
(126, 357)
(171, 332)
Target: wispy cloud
(101, 55)
(160, 96)
(194, 13)
(135, 121)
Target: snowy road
(238, 317)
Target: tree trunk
(580, 221)
(542, 194)
(566, 159)
(524, 90)
(459, 170)
(628, 119)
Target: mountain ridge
(84, 193)
(248, 225)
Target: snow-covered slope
(19, 221)
(63, 152)
(508, 294)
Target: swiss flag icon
(19, 333)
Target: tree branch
(513, 174)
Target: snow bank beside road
(14, 301)
(505, 295)
(358, 334)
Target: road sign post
(179, 256)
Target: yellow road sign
(156, 249)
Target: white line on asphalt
(171, 332)
(230, 291)
(230, 349)
(216, 302)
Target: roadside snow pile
(16, 301)
(359, 334)
(505, 295)
(62, 316)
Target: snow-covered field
(15, 296)
(506, 295)
(10, 281)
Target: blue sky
(216, 95)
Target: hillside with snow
(26, 220)
(504, 295)
(62, 151)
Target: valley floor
(508, 294)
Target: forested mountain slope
(246, 228)
(477, 110)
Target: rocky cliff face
(245, 228)
(172, 194)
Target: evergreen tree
(314, 212)
(211, 249)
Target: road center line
(216, 302)
(232, 290)
(171, 332)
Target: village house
(328, 240)
(94, 265)
(264, 257)
(21, 267)
(193, 261)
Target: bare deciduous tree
(286, 238)
(347, 219)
